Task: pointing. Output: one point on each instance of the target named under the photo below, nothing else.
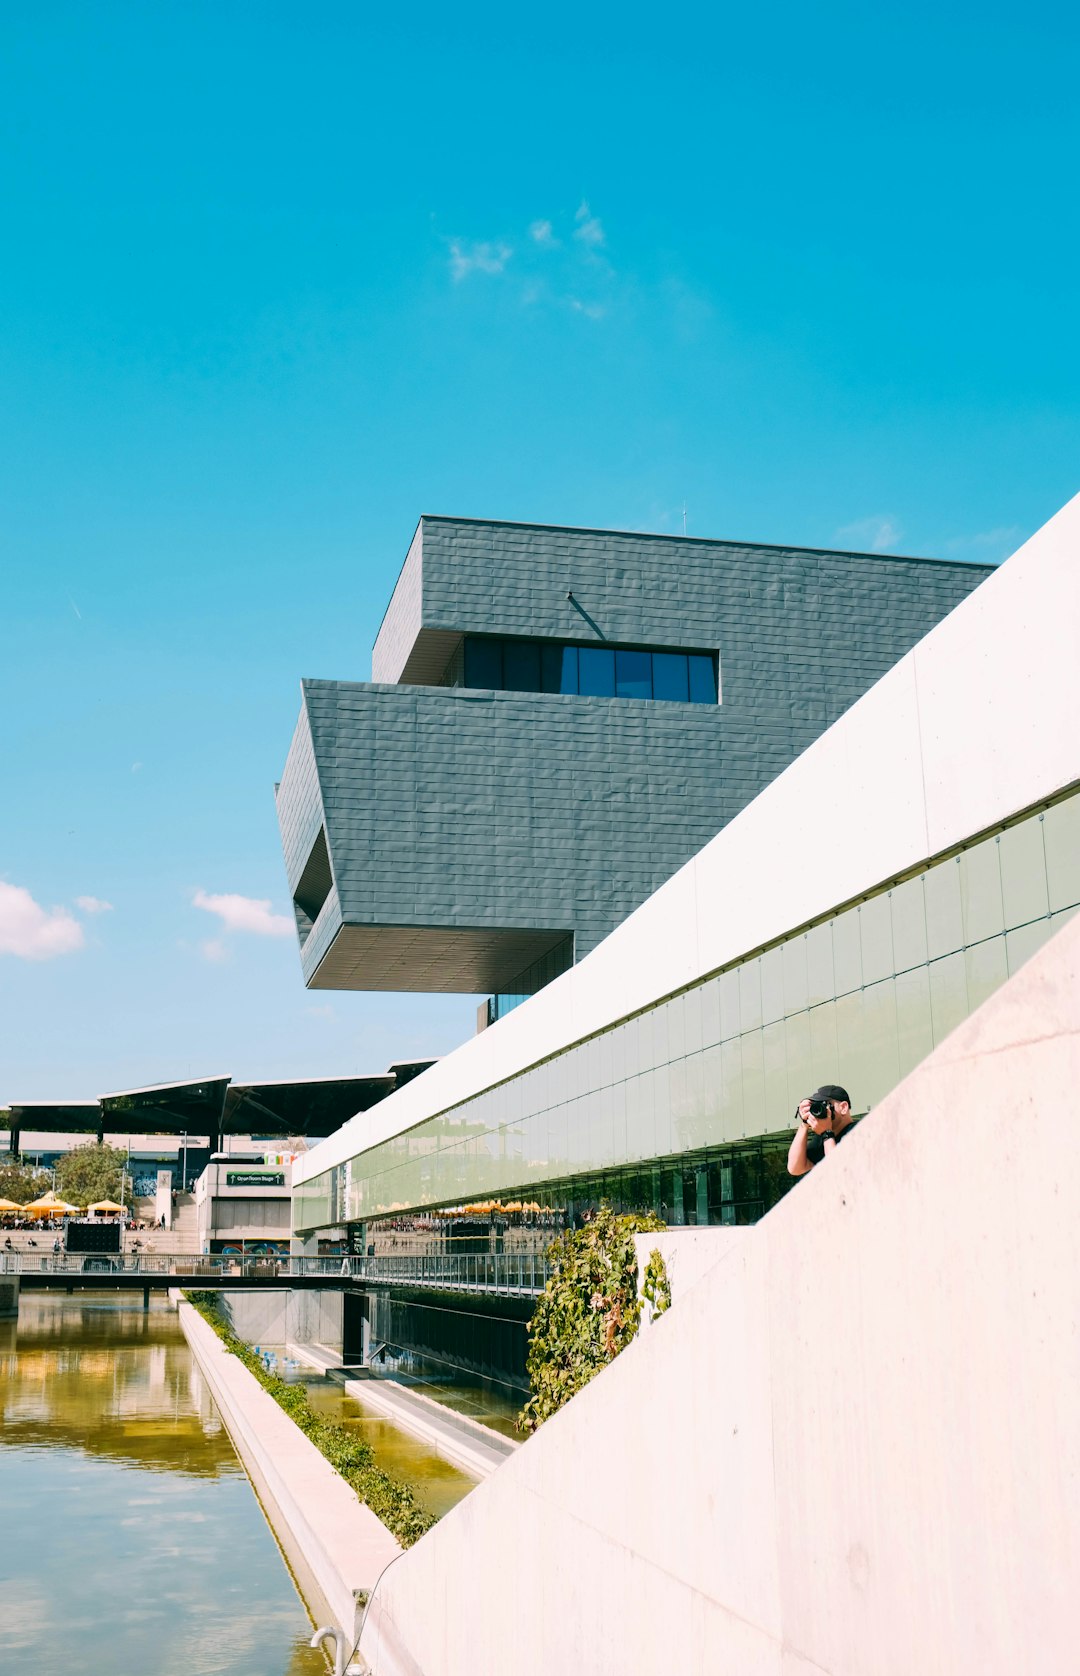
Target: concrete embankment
(335, 1545)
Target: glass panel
(948, 994)
(908, 924)
(875, 930)
(774, 1056)
(702, 679)
(987, 969)
(750, 995)
(521, 666)
(847, 952)
(1023, 873)
(1022, 943)
(771, 967)
(596, 671)
(730, 1023)
(800, 1074)
(880, 1066)
(944, 921)
(633, 674)
(1061, 837)
(731, 1097)
(483, 663)
(822, 1045)
(755, 1119)
(670, 676)
(819, 964)
(796, 990)
(851, 1057)
(710, 1012)
(690, 1007)
(980, 893)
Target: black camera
(820, 1109)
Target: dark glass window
(559, 668)
(670, 679)
(702, 679)
(633, 674)
(596, 671)
(533, 666)
(483, 663)
(521, 666)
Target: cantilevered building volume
(558, 720)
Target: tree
(90, 1173)
(22, 1182)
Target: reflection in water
(437, 1484)
(132, 1539)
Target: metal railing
(511, 1273)
(517, 1272)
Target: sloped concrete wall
(851, 1449)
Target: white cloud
(245, 913)
(589, 227)
(591, 311)
(986, 545)
(93, 905)
(879, 534)
(215, 951)
(485, 257)
(136, 768)
(32, 932)
(542, 233)
(325, 1011)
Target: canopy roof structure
(215, 1106)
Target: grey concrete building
(558, 719)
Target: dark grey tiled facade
(470, 830)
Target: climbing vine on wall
(588, 1311)
(656, 1287)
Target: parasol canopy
(104, 1207)
(50, 1205)
(8, 1205)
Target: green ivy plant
(588, 1311)
(656, 1286)
(395, 1504)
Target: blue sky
(276, 280)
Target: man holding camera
(824, 1121)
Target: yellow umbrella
(50, 1205)
(8, 1205)
(106, 1205)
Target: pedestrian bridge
(516, 1274)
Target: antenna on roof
(684, 517)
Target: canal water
(132, 1540)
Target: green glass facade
(659, 1106)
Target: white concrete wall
(688, 1254)
(851, 1449)
(336, 1546)
(979, 722)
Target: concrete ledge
(319, 1357)
(335, 1545)
(467, 1444)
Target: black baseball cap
(831, 1091)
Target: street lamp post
(183, 1162)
